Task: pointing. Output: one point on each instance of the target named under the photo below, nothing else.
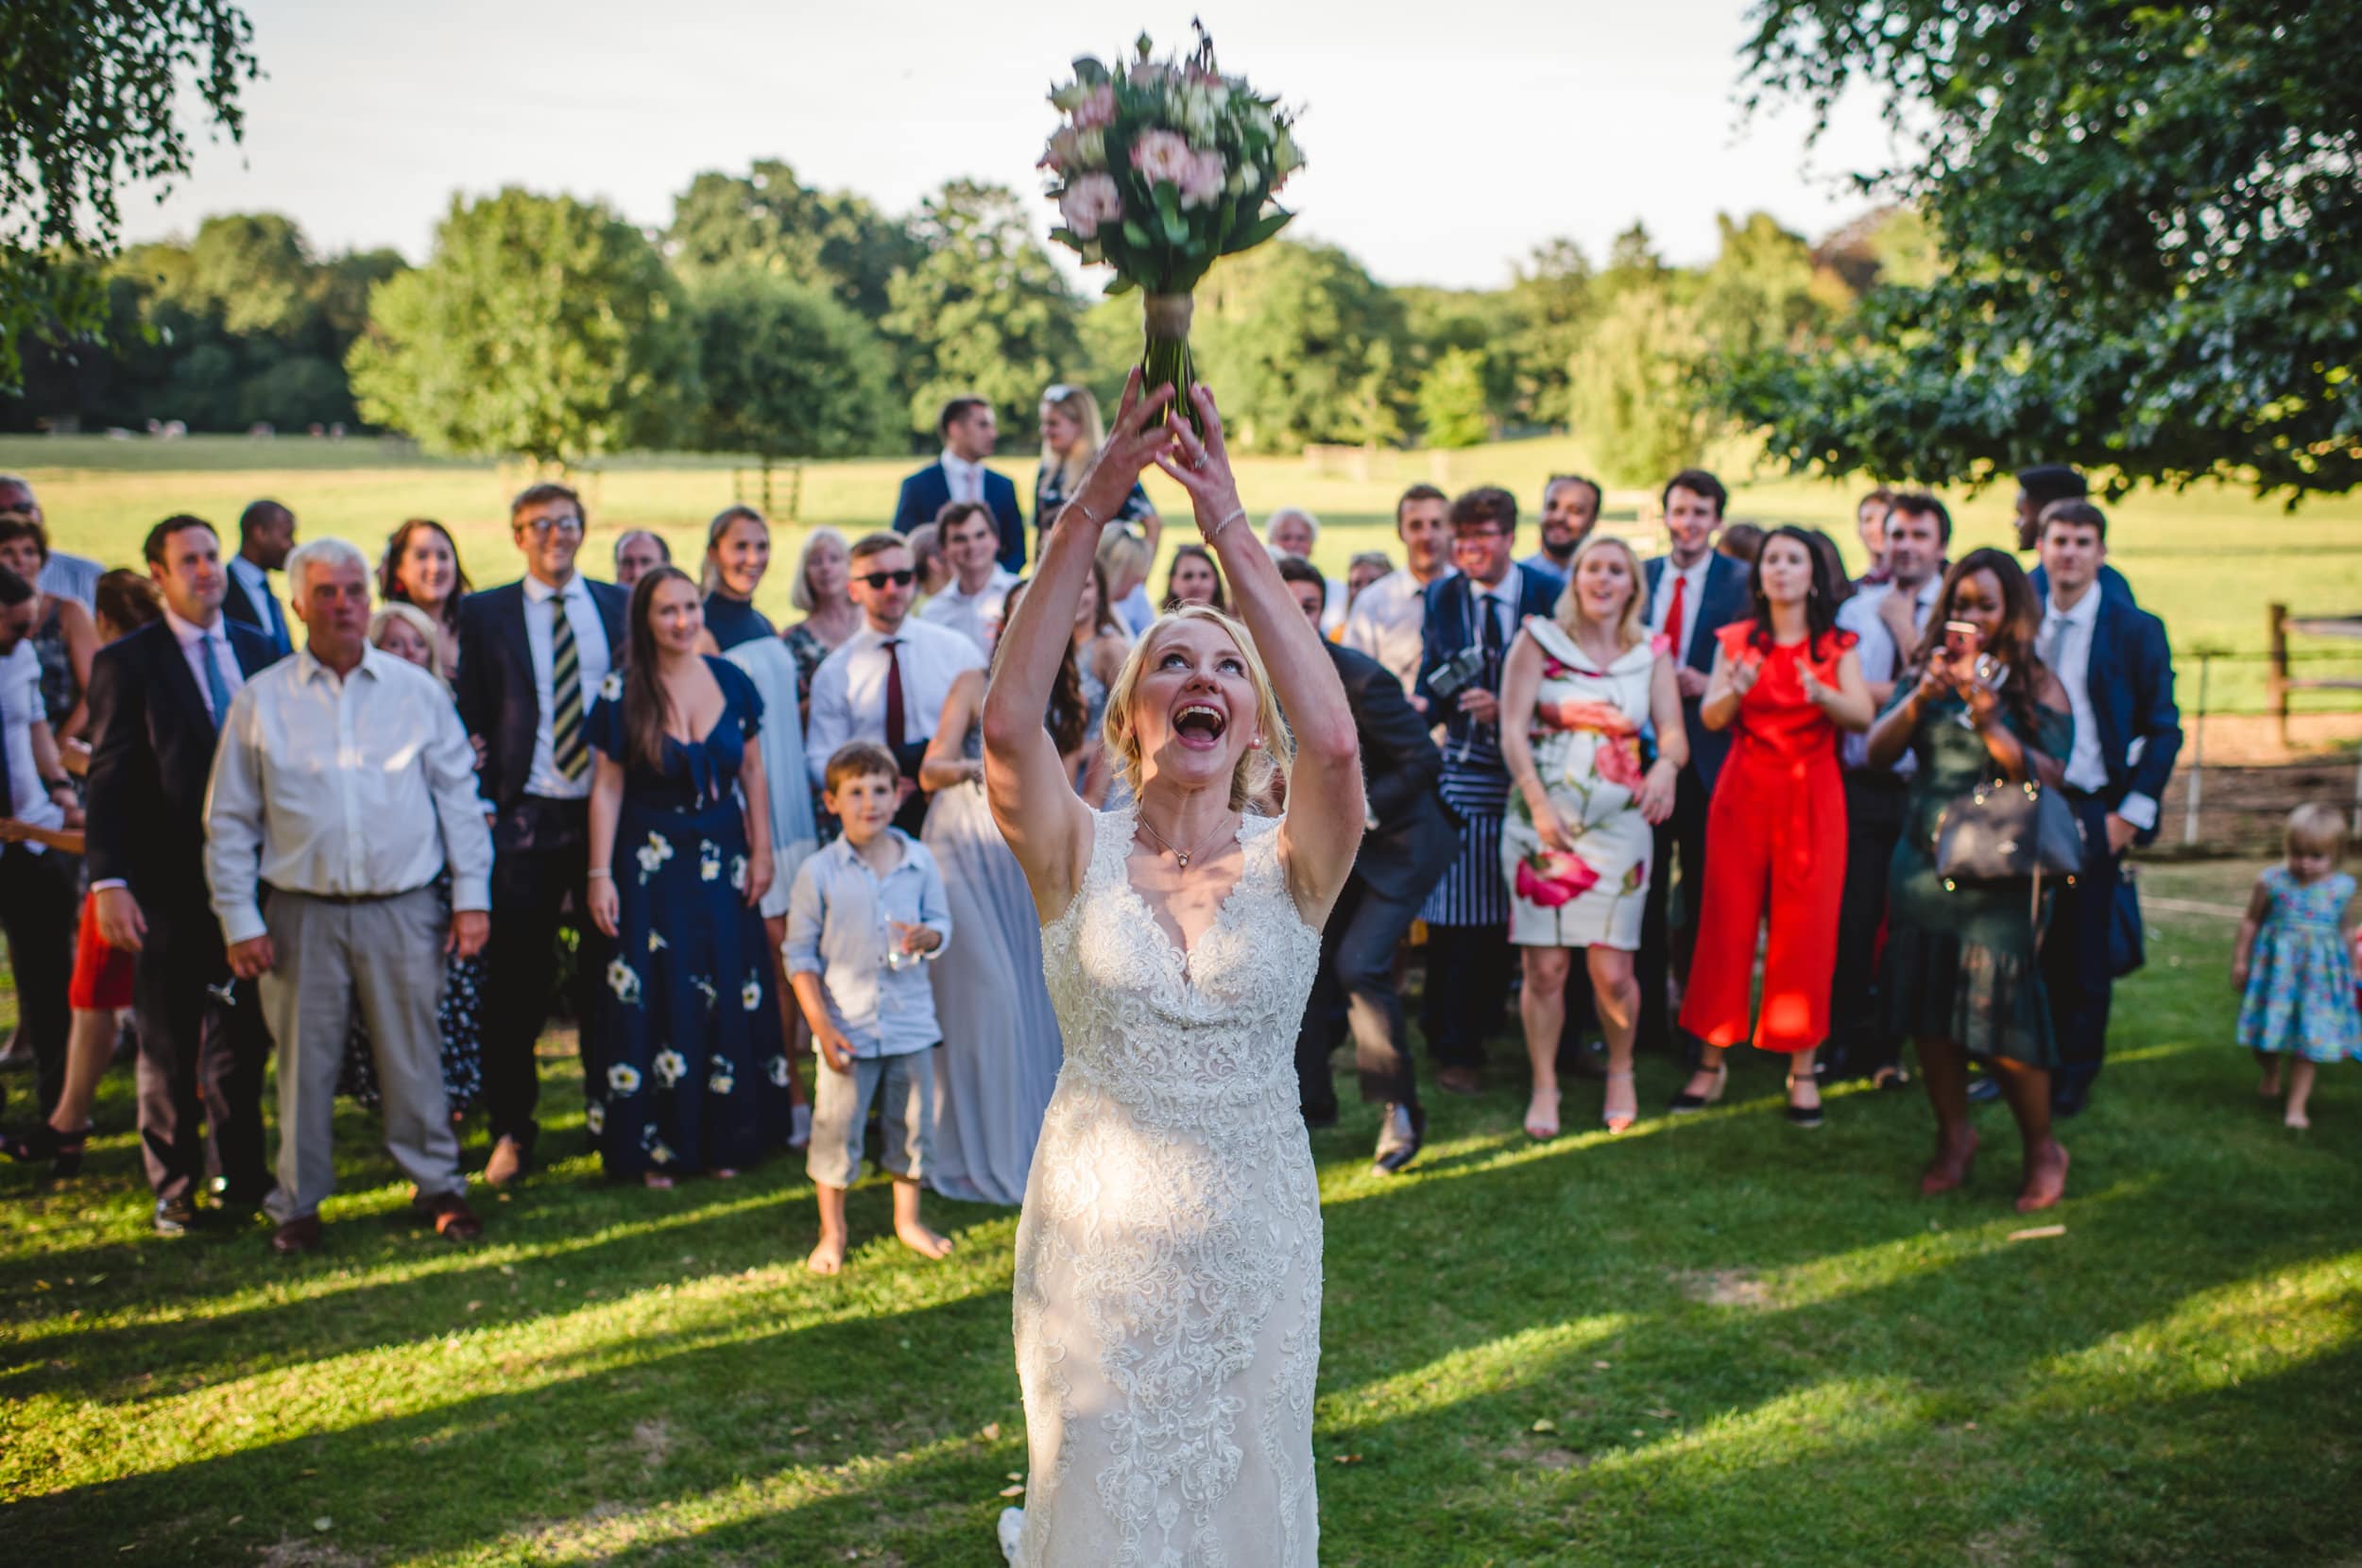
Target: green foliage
(543, 327)
(2152, 235)
(984, 313)
(786, 371)
(767, 218)
(1452, 401)
(1634, 402)
(1305, 347)
(94, 103)
(1763, 291)
(1552, 304)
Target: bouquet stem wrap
(1166, 357)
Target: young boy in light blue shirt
(867, 915)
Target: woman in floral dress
(689, 1073)
(1575, 692)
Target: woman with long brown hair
(421, 568)
(1194, 578)
(691, 1073)
(1961, 975)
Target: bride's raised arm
(1321, 832)
(1033, 797)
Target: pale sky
(1444, 140)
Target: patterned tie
(897, 726)
(216, 689)
(567, 750)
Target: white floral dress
(1586, 747)
(1168, 1300)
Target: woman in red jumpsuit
(1775, 831)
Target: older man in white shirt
(1388, 621)
(887, 683)
(343, 781)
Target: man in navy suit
(969, 432)
(1694, 591)
(157, 698)
(2037, 488)
(1477, 612)
(533, 657)
(2113, 658)
(267, 532)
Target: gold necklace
(1183, 856)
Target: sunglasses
(880, 579)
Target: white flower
(750, 994)
(738, 872)
(704, 989)
(721, 1082)
(612, 687)
(653, 855)
(659, 1153)
(777, 1068)
(623, 1078)
(595, 1118)
(1089, 201)
(656, 940)
(669, 1066)
(624, 983)
(709, 859)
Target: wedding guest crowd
(386, 844)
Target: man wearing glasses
(887, 683)
(532, 657)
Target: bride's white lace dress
(1168, 1303)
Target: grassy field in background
(2209, 559)
(1717, 1341)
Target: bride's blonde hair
(1259, 767)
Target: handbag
(2002, 833)
(2127, 938)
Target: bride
(1168, 1300)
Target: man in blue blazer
(1476, 613)
(1694, 591)
(2037, 488)
(533, 655)
(2117, 668)
(969, 432)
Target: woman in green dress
(1961, 975)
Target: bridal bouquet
(1161, 167)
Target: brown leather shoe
(507, 1164)
(296, 1236)
(454, 1220)
(1460, 1080)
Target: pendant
(1183, 858)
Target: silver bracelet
(1077, 505)
(1214, 533)
(599, 873)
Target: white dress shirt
(358, 787)
(1879, 657)
(1693, 603)
(1389, 619)
(2065, 642)
(200, 644)
(849, 689)
(20, 709)
(591, 652)
(977, 614)
(966, 479)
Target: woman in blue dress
(688, 1072)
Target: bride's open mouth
(1199, 726)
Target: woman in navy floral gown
(689, 1073)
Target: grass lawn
(1717, 1342)
(2208, 560)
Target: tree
(1634, 398)
(2150, 229)
(1763, 291)
(94, 104)
(1552, 302)
(786, 371)
(1302, 345)
(543, 327)
(984, 313)
(1452, 400)
(768, 219)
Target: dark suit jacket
(925, 492)
(151, 754)
(1725, 601)
(2131, 682)
(495, 691)
(1413, 839)
(238, 605)
(1451, 627)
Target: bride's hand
(1136, 439)
(1203, 468)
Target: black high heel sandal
(64, 1151)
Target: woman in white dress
(1576, 692)
(1167, 1306)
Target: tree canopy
(786, 371)
(767, 218)
(2150, 222)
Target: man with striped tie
(532, 654)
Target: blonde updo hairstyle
(1634, 628)
(1257, 768)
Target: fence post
(2276, 679)
(2198, 757)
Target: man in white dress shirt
(343, 782)
(267, 532)
(979, 584)
(74, 577)
(1389, 619)
(887, 683)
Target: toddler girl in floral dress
(2295, 961)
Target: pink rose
(1203, 185)
(1163, 156)
(1098, 111)
(1550, 877)
(1618, 762)
(1089, 201)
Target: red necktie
(895, 722)
(1673, 617)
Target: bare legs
(829, 1256)
(1945, 1066)
(89, 1044)
(1542, 1005)
(2299, 1090)
(1616, 994)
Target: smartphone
(1962, 641)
